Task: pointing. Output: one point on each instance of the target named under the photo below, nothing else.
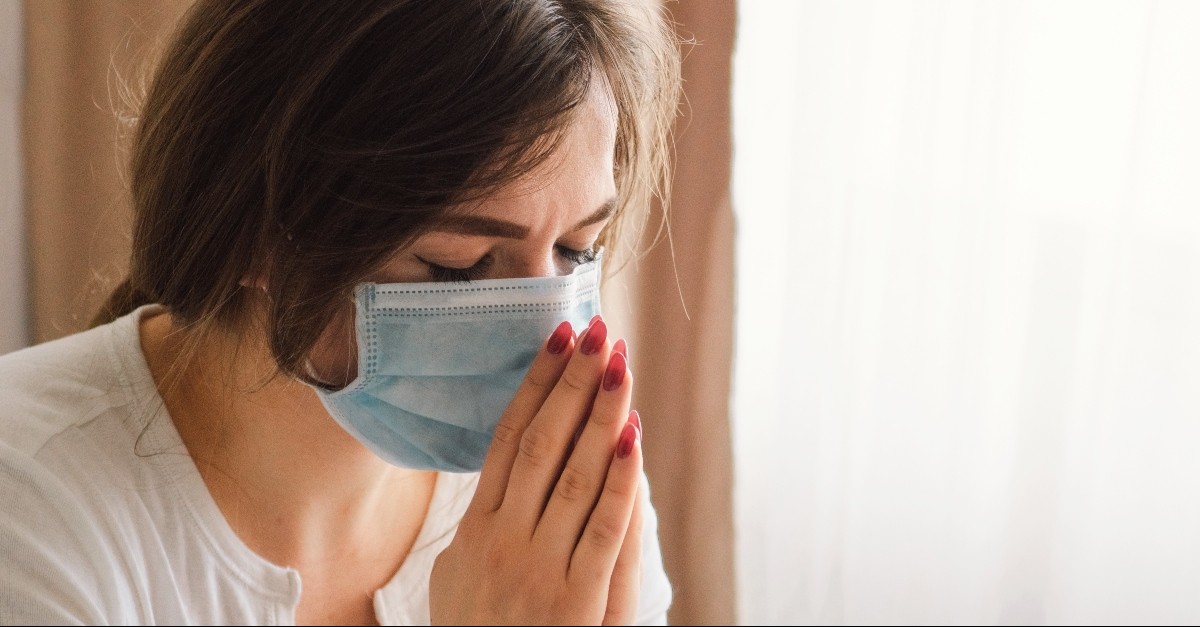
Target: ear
(256, 281)
(257, 271)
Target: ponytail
(124, 299)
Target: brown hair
(306, 141)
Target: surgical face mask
(438, 363)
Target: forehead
(578, 175)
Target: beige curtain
(683, 316)
(681, 307)
(77, 52)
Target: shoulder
(52, 387)
(71, 414)
(58, 567)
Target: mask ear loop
(352, 365)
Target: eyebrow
(493, 227)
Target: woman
(368, 238)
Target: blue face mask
(439, 362)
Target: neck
(290, 481)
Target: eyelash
(444, 274)
(578, 257)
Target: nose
(540, 264)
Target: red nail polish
(615, 373)
(619, 347)
(625, 444)
(593, 320)
(559, 339)
(636, 420)
(594, 338)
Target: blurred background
(926, 346)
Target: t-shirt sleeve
(655, 597)
(56, 569)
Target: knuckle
(495, 558)
(604, 415)
(576, 380)
(619, 490)
(506, 434)
(540, 380)
(538, 446)
(575, 485)
(605, 531)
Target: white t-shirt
(104, 518)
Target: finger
(619, 347)
(543, 446)
(626, 584)
(596, 554)
(541, 378)
(579, 485)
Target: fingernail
(615, 373)
(636, 420)
(625, 444)
(619, 347)
(594, 337)
(559, 339)
(594, 319)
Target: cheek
(334, 358)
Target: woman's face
(542, 225)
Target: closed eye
(479, 270)
(577, 257)
(448, 274)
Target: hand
(553, 533)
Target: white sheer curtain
(967, 381)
